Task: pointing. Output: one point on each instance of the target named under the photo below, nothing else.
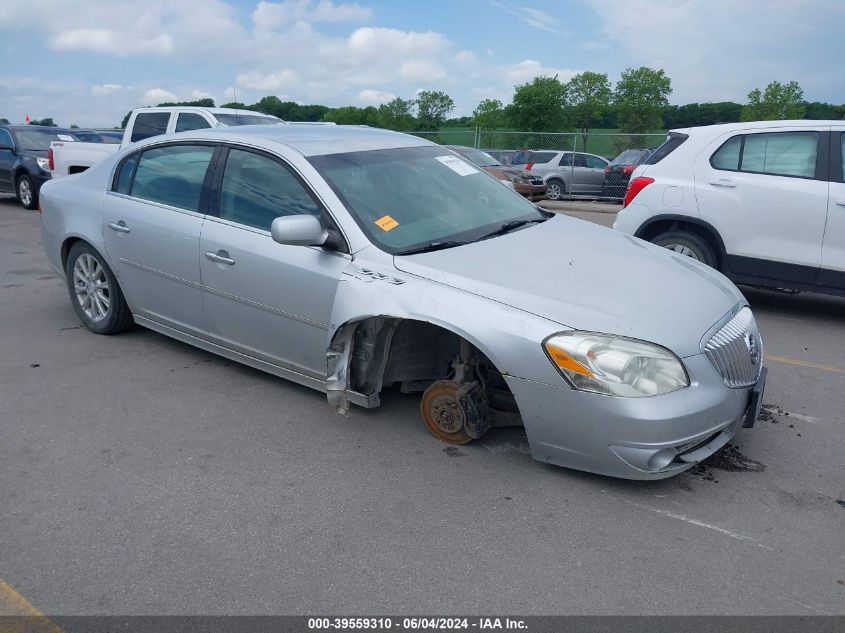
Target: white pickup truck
(72, 157)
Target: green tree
(589, 96)
(236, 105)
(396, 114)
(538, 106)
(48, 122)
(432, 108)
(489, 114)
(208, 102)
(4, 120)
(778, 101)
(348, 115)
(640, 97)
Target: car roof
(310, 140)
(238, 111)
(721, 128)
(14, 126)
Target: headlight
(615, 366)
(43, 163)
(516, 178)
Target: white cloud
(421, 70)
(110, 41)
(158, 95)
(101, 90)
(375, 97)
(527, 69)
(532, 17)
(272, 15)
(275, 80)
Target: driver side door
(267, 300)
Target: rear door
(268, 300)
(151, 227)
(833, 249)
(7, 157)
(765, 191)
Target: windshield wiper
(431, 246)
(507, 227)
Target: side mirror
(298, 230)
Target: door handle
(841, 203)
(723, 182)
(120, 227)
(221, 257)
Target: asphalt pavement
(139, 475)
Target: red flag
(27, 118)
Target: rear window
(246, 119)
(631, 157)
(672, 142)
(524, 157)
(149, 124)
(36, 138)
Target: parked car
(504, 156)
(763, 202)
(353, 260)
(66, 159)
(98, 136)
(521, 181)
(24, 165)
(618, 172)
(565, 173)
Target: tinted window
(565, 160)
(149, 124)
(580, 160)
(672, 142)
(727, 156)
(123, 182)
(842, 136)
(5, 137)
(87, 137)
(190, 121)
(631, 157)
(525, 157)
(112, 138)
(172, 175)
(595, 162)
(781, 153)
(257, 189)
(36, 138)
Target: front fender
(510, 338)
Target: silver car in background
(355, 260)
(565, 173)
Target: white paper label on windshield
(457, 165)
(64, 137)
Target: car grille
(534, 180)
(736, 350)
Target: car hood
(502, 171)
(588, 277)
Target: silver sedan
(355, 260)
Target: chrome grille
(732, 350)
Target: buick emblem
(753, 348)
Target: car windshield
(478, 157)
(630, 157)
(246, 119)
(411, 197)
(39, 139)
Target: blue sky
(90, 61)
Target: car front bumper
(532, 192)
(632, 438)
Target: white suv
(763, 202)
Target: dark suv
(24, 165)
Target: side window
(5, 138)
(842, 149)
(727, 156)
(123, 180)
(190, 121)
(580, 160)
(149, 124)
(781, 153)
(257, 189)
(172, 175)
(594, 162)
(566, 160)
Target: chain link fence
(592, 165)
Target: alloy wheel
(682, 250)
(91, 287)
(25, 192)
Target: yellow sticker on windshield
(386, 223)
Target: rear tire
(94, 292)
(26, 192)
(688, 244)
(555, 189)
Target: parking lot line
(805, 363)
(14, 604)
